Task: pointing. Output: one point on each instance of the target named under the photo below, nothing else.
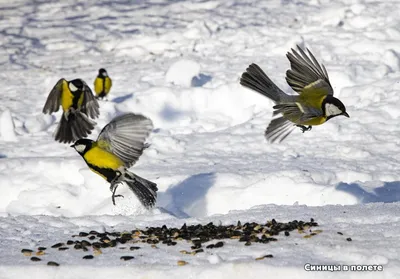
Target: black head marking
(82, 145)
(332, 107)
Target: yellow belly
(67, 98)
(107, 85)
(98, 85)
(102, 159)
(315, 121)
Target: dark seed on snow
(92, 237)
(349, 239)
(218, 244)
(134, 248)
(210, 246)
(127, 258)
(83, 234)
(53, 264)
(287, 233)
(78, 246)
(35, 259)
(58, 245)
(248, 243)
(70, 242)
(63, 248)
(42, 248)
(88, 257)
(86, 243)
(340, 233)
(93, 232)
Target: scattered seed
(88, 257)
(63, 248)
(42, 248)
(263, 257)
(210, 246)
(40, 253)
(70, 242)
(97, 252)
(287, 233)
(35, 259)
(127, 258)
(218, 244)
(58, 245)
(349, 239)
(340, 233)
(180, 263)
(26, 252)
(83, 234)
(134, 248)
(53, 264)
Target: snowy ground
(179, 63)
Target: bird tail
(145, 190)
(73, 126)
(255, 79)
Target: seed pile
(196, 235)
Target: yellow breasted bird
(102, 84)
(118, 147)
(78, 104)
(314, 104)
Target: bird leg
(304, 128)
(113, 189)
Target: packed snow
(179, 63)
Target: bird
(314, 103)
(102, 84)
(118, 147)
(78, 104)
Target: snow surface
(179, 63)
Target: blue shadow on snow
(188, 193)
(200, 80)
(389, 192)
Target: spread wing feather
(306, 71)
(90, 105)
(54, 99)
(125, 137)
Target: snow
(179, 63)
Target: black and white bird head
(76, 85)
(82, 145)
(103, 72)
(333, 107)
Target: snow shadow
(170, 114)
(200, 80)
(389, 192)
(121, 99)
(188, 198)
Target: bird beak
(73, 145)
(346, 114)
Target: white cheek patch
(104, 74)
(80, 148)
(332, 110)
(72, 87)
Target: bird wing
(306, 75)
(90, 106)
(125, 137)
(54, 99)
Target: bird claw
(304, 128)
(113, 189)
